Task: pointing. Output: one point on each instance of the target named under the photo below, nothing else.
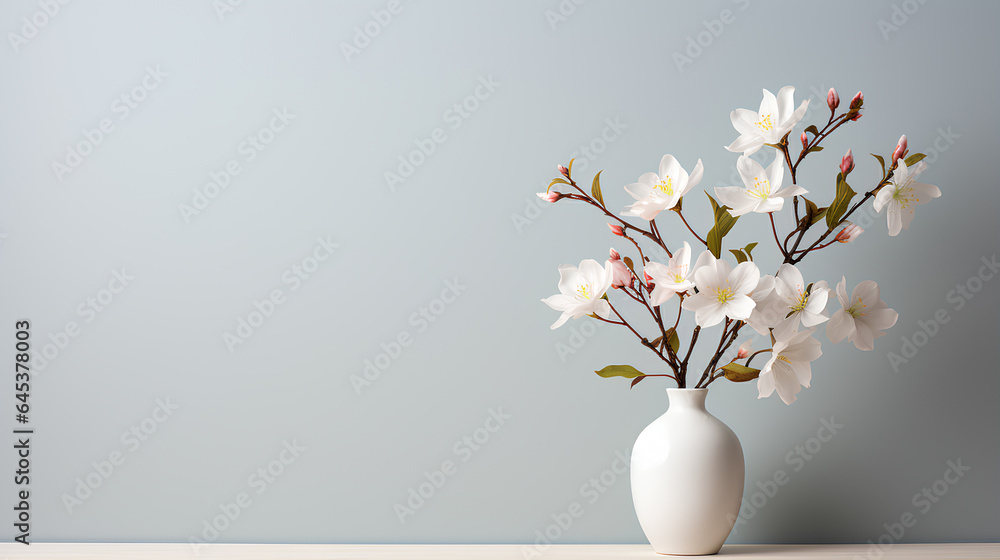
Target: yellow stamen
(761, 188)
(766, 123)
(856, 309)
(666, 186)
(724, 294)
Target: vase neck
(687, 399)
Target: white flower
(902, 194)
(656, 192)
(768, 125)
(723, 291)
(581, 290)
(675, 277)
(862, 318)
(799, 306)
(788, 369)
(762, 192)
(767, 311)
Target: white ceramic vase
(687, 477)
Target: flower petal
(695, 178)
(841, 326)
(765, 385)
(670, 167)
(743, 121)
(561, 320)
(924, 192)
(863, 338)
(883, 196)
(787, 328)
(842, 292)
(769, 105)
(743, 279)
(764, 288)
(661, 294)
(880, 319)
(602, 308)
(786, 101)
(749, 171)
(740, 307)
(776, 174)
(592, 272)
(706, 258)
(697, 301)
(569, 279)
(710, 315)
(895, 220)
(791, 190)
(804, 348)
(733, 197)
(803, 373)
(867, 293)
(561, 302)
(785, 381)
(747, 144)
(770, 204)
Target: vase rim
(687, 389)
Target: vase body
(687, 477)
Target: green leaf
(595, 189)
(881, 161)
(636, 381)
(749, 249)
(812, 128)
(724, 222)
(811, 208)
(913, 159)
(739, 374)
(627, 372)
(816, 149)
(628, 263)
(841, 203)
(738, 253)
(556, 181)
(673, 340)
(813, 212)
(715, 205)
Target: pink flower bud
(848, 234)
(832, 99)
(615, 256)
(900, 152)
(563, 171)
(617, 230)
(847, 164)
(805, 141)
(649, 280)
(620, 274)
(744, 350)
(857, 101)
(550, 196)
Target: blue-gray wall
(453, 259)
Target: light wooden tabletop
(70, 551)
